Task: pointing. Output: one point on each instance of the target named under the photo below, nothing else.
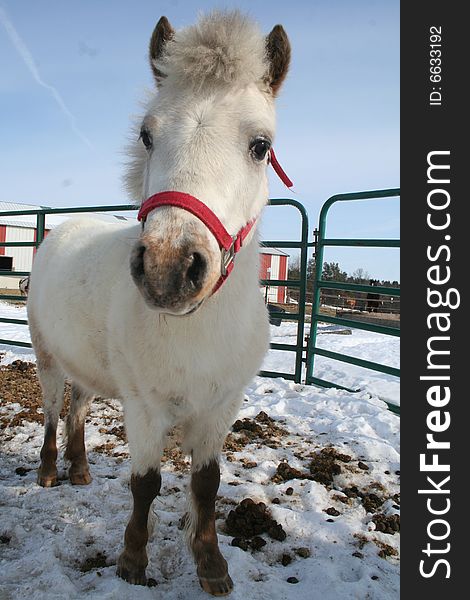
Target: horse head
(207, 135)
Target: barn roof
(274, 251)
(19, 206)
(29, 221)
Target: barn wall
(3, 232)
(274, 266)
(278, 265)
(274, 275)
(22, 257)
(265, 263)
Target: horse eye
(146, 138)
(259, 148)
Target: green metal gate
(302, 244)
(301, 283)
(320, 243)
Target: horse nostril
(197, 269)
(137, 263)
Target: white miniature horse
(136, 312)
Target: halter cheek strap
(229, 244)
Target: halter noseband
(229, 244)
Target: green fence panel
(321, 241)
(298, 349)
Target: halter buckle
(227, 256)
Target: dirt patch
(326, 464)
(361, 540)
(108, 449)
(387, 524)
(385, 549)
(172, 453)
(286, 559)
(98, 561)
(262, 429)
(342, 499)
(248, 521)
(373, 503)
(22, 471)
(323, 467)
(19, 384)
(119, 432)
(332, 511)
(303, 552)
(285, 472)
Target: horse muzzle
(174, 280)
(185, 255)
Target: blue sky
(73, 74)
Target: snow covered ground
(63, 542)
(375, 347)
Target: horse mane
(222, 48)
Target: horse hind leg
(79, 473)
(51, 379)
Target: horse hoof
(83, 478)
(135, 577)
(46, 481)
(217, 587)
(128, 571)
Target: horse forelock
(221, 49)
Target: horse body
(132, 312)
(146, 357)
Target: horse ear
(161, 34)
(278, 52)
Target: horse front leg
(212, 568)
(205, 438)
(133, 560)
(146, 446)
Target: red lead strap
(279, 170)
(229, 245)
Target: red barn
(274, 264)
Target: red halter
(229, 244)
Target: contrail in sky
(28, 60)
